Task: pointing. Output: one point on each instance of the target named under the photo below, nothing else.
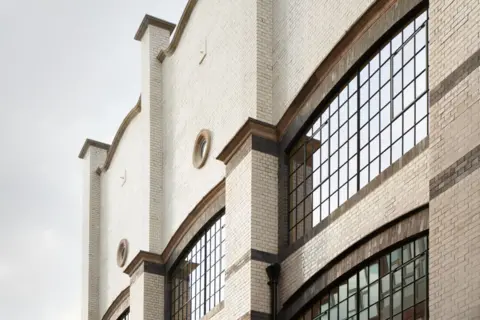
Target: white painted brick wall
(218, 95)
(91, 234)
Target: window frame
(299, 194)
(203, 236)
(310, 307)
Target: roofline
(92, 143)
(111, 149)
(182, 23)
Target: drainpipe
(273, 272)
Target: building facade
(293, 160)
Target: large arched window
(392, 287)
(198, 280)
(379, 115)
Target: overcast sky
(69, 69)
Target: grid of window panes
(198, 281)
(125, 315)
(376, 118)
(394, 287)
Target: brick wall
(455, 135)
(406, 190)
(91, 234)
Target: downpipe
(273, 272)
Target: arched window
(393, 287)
(198, 280)
(379, 115)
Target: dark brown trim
(124, 295)
(255, 315)
(144, 258)
(154, 268)
(121, 130)
(262, 256)
(182, 24)
(455, 173)
(265, 145)
(454, 78)
(396, 232)
(251, 255)
(251, 127)
(150, 20)
(285, 252)
(92, 143)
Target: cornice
(251, 127)
(178, 31)
(149, 20)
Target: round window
(122, 252)
(201, 149)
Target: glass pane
(364, 115)
(373, 272)
(396, 258)
(373, 293)
(342, 291)
(363, 277)
(352, 306)
(408, 73)
(385, 117)
(408, 95)
(342, 310)
(385, 73)
(373, 314)
(352, 105)
(374, 105)
(408, 31)
(352, 167)
(385, 286)
(385, 309)
(421, 108)
(343, 113)
(352, 124)
(364, 177)
(343, 95)
(408, 251)
(364, 74)
(420, 245)
(385, 94)
(421, 131)
(408, 141)
(408, 297)
(364, 157)
(374, 148)
(352, 285)
(385, 160)
(374, 168)
(364, 94)
(397, 61)
(374, 63)
(343, 134)
(385, 54)
(363, 303)
(385, 139)
(397, 129)
(396, 42)
(352, 86)
(408, 51)
(374, 126)
(397, 280)
(408, 273)
(364, 136)
(374, 83)
(421, 290)
(421, 61)
(397, 302)
(421, 84)
(334, 313)
(397, 83)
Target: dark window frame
(304, 210)
(310, 310)
(199, 247)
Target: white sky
(69, 69)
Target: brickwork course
(256, 77)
